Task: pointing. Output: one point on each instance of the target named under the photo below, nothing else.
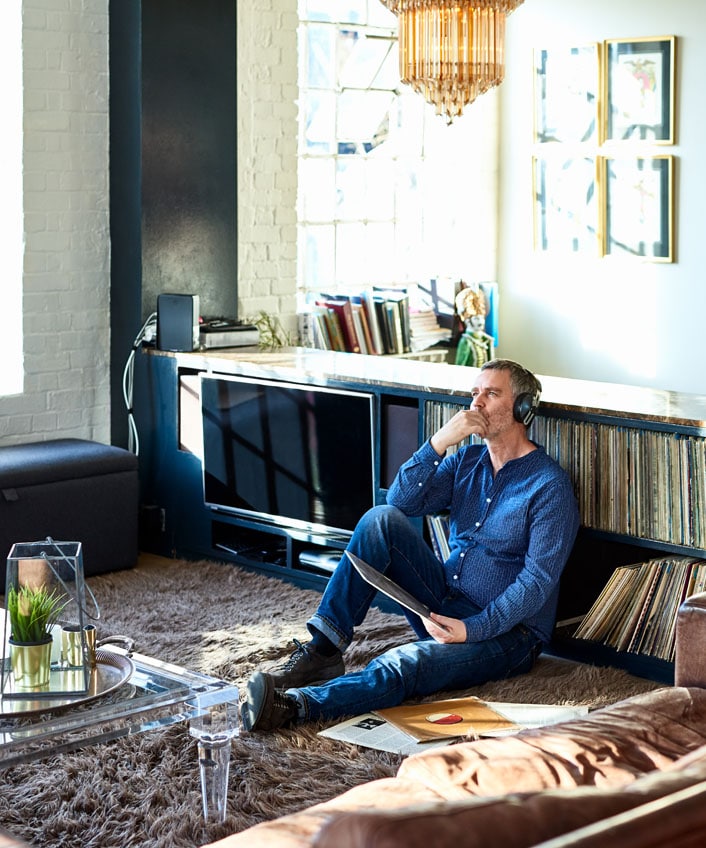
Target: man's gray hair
(521, 379)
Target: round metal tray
(111, 671)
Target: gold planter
(31, 664)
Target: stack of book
(374, 322)
(425, 330)
(637, 609)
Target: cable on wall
(147, 333)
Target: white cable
(128, 386)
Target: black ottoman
(74, 491)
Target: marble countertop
(305, 365)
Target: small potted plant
(33, 612)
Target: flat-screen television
(296, 455)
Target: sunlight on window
(388, 193)
(11, 238)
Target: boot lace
(284, 702)
(300, 652)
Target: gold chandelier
(451, 50)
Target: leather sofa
(631, 775)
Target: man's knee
(383, 518)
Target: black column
(125, 62)
(173, 166)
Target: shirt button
(420, 485)
(436, 462)
(455, 576)
(462, 554)
(477, 523)
(488, 500)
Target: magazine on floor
(373, 730)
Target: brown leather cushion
(298, 829)
(609, 747)
(7, 840)
(514, 821)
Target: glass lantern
(45, 648)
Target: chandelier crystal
(451, 51)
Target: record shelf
(637, 459)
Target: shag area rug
(217, 618)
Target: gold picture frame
(638, 209)
(567, 94)
(638, 90)
(565, 204)
(605, 108)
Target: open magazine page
(533, 715)
(371, 731)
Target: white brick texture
(66, 296)
(267, 158)
(67, 260)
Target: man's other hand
(444, 629)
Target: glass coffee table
(132, 693)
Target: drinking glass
(214, 724)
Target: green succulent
(33, 612)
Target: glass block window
(385, 186)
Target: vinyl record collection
(637, 609)
(438, 527)
(636, 483)
(631, 481)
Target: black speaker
(525, 407)
(177, 322)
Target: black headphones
(525, 407)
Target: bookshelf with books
(377, 322)
(637, 459)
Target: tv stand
(637, 458)
(302, 557)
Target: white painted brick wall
(267, 158)
(67, 256)
(67, 261)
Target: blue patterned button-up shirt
(510, 534)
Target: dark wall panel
(189, 180)
(125, 199)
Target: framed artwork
(566, 92)
(639, 90)
(565, 206)
(638, 208)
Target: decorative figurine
(475, 346)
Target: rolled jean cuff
(340, 640)
(302, 704)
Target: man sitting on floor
(513, 519)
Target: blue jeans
(387, 540)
